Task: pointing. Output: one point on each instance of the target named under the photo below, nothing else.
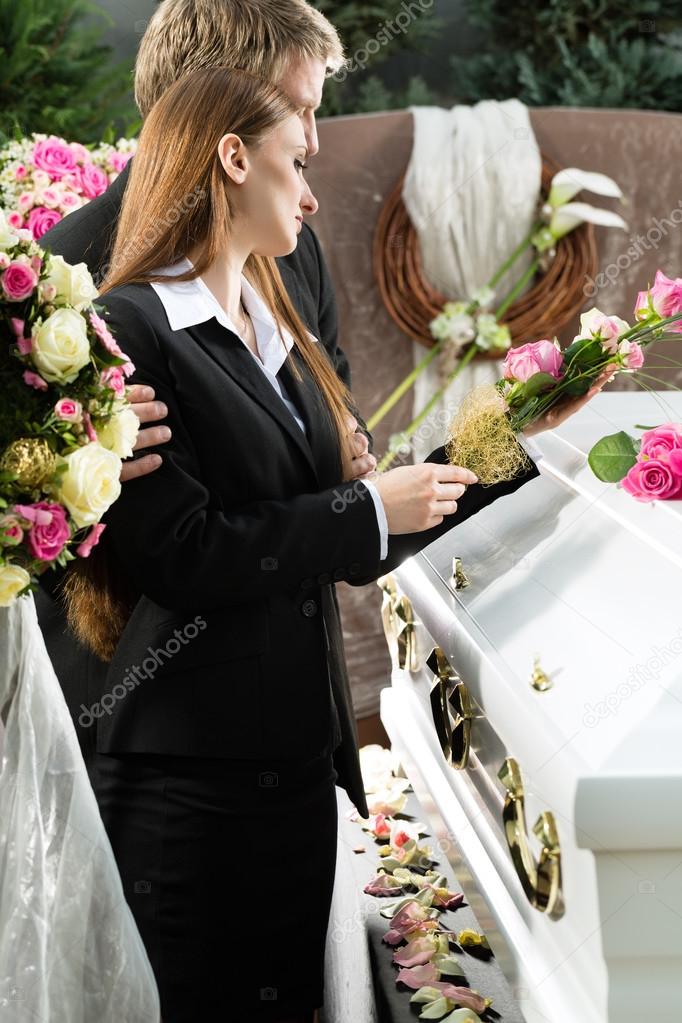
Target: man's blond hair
(261, 36)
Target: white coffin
(578, 574)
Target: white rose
(60, 346)
(8, 237)
(90, 484)
(120, 433)
(13, 580)
(73, 283)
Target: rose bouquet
(65, 422)
(649, 469)
(540, 374)
(42, 178)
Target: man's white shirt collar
(188, 303)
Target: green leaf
(612, 457)
(538, 383)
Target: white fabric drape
(69, 946)
(470, 190)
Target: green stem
(519, 250)
(389, 457)
(517, 289)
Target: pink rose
(81, 154)
(4, 261)
(113, 378)
(20, 171)
(632, 354)
(49, 529)
(51, 197)
(119, 161)
(69, 410)
(18, 326)
(15, 220)
(26, 201)
(92, 539)
(110, 343)
(33, 380)
(654, 480)
(25, 345)
(89, 428)
(41, 220)
(418, 976)
(54, 157)
(93, 181)
(524, 362)
(11, 533)
(18, 281)
(658, 443)
(70, 202)
(666, 298)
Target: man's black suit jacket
(234, 544)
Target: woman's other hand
(363, 462)
(141, 398)
(568, 407)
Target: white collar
(188, 303)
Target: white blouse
(188, 303)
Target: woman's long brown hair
(178, 200)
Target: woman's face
(272, 196)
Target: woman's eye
(299, 165)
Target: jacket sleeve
(328, 322)
(183, 551)
(404, 545)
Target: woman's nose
(309, 203)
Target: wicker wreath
(554, 299)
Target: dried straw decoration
(550, 303)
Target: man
(293, 45)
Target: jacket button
(309, 608)
(307, 584)
(324, 578)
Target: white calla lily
(571, 180)
(569, 216)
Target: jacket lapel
(232, 356)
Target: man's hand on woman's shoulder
(147, 410)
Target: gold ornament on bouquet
(30, 460)
(481, 438)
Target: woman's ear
(232, 153)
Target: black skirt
(228, 867)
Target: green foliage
(600, 53)
(612, 457)
(57, 77)
(372, 33)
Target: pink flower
(110, 343)
(92, 539)
(416, 953)
(93, 181)
(524, 362)
(654, 480)
(89, 428)
(383, 884)
(49, 530)
(70, 201)
(463, 996)
(666, 298)
(632, 354)
(68, 410)
(15, 220)
(418, 976)
(20, 172)
(113, 378)
(4, 261)
(33, 380)
(41, 220)
(55, 157)
(18, 326)
(18, 281)
(81, 154)
(25, 201)
(659, 442)
(379, 826)
(25, 345)
(11, 533)
(51, 197)
(119, 161)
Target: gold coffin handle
(452, 710)
(541, 881)
(399, 623)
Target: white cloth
(471, 188)
(69, 946)
(190, 302)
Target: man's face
(303, 82)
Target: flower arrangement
(423, 950)
(538, 375)
(649, 469)
(465, 329)
(65, 423)
(43, 178)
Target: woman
(216, 733)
